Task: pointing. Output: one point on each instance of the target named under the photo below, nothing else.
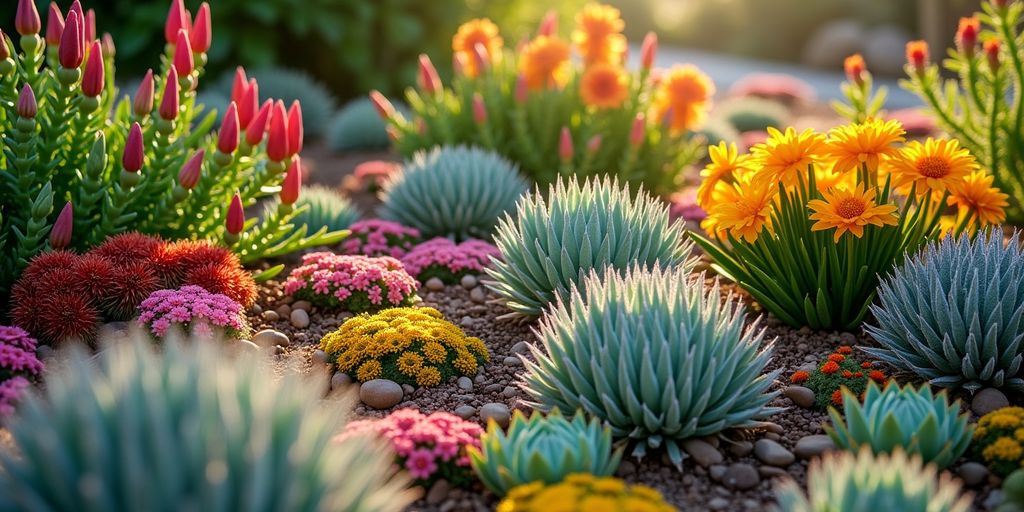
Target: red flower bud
(636, 132)
(481, 57)
(189, 175)
(133, 157)
(76, 7)
(565, 145)
(90, 25)
(108, 45)
(292, 183)
(522, 89)
(54, 25)
(1000, 3)
(143, 103)
(183, 62)
(967, 35)
(60, 233)
(4, 52)
(169, 103)
(26, 18)
(235, 221)
(295, 128)
(429, 81)
(70, 53)
(201, 35)
(258, 126)
(459, 64)
(991, 48)
(176, 21)
(227, 138)
(855, 67)
(917, 55)
(647, 51)
(594, 143)
(240, 85)
(277, 142)
(92, 79)
(479, 109)
(26, 106)
(548, 24)
(250, 104)
(384, 107)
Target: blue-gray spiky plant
(655, 355)
(954, 314)
(453, 192)
(906, 418)
(358, 126)
(326, 208)
(189, 428)
(866, 482)
(551, 244)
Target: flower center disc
(850, 207)
(933, 167)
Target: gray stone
(304, 305)
(509, 392)
(973, 473)
(772, 435)
(465, 411)
(718, 503)
(804, 397)
(521, 347)
(831, 43)
(319, 356)
(270, 338)
(408, 389)
(988, 400)
(467, 321)
(299, 318)
(702, 453)
(271, 316)
(248, 345)
(717, 472)
(465, 383)
(771, 452)
(256, 309)
(741, 448)
(340, 380)
(284, 310)
(278, 350)
(626, 468)
(771, 427)
(434, 284)
(812, 446)
(512, 361)
(469, 281)
(438, 492)
(477, 295)
(381, 393)
(883, 49)
(741, 476)
(45, 352)
(497, 412)
(771, 472)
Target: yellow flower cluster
(851, 166)
(999, 439)
(583, 492)
(407, 345)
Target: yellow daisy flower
(864, 143)
(749, 213)
(936, 166)
(726, 163)
(369, 370)
(785, 156)
(977, 196)
(850, 211)
(479, 31)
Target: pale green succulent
(1013, 493)
(751, 113)
(325, 207)
(954, 314)
(543, 448)
(866, 482)
(551, 244)
(910, 419)
(188, 428)
(453, 192)
(358, 126)
(655, 355)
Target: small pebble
(741, 476)
(304, 305)
(512, 361)
(469, 281)
(741, 448)
(496, 411)
(278, 350)
(381, 393)
(717, 472)
(770, 452)
(465, 383)
(973, 473)
(319, 356)
(438, 492)
(284, 310)
(771, 427)
(465, 411)
(509, 392)
(521, 347)
(804, 397)
(772, 435)
(718, 503)
(702, 453)
(408, 389)
(477, 295)
(434, 284)
(988, 400)
(256, 309)
(300, 319)
(270, 338)
(771, 472)
(245, 344)
(812, 446)
(339, 380)
(271, 316)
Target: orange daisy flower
(837, 398)
(683, 98)
(845, 349)
(545, 62)
(799, 376)
(830, 368)
(977, 196)
(877, 376)
(748, 213)
(479, 31)
(850, 210)
(864, 143)
(936, 166)
(726, 163)
(785, 156)
(598, 35)
(604, 86)
(836, 357)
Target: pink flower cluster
(684, 206)
(18, 364)
(428, 447)
(376, 237)
(373, 174)
(195, 310)
(447, 260)
(11, 391)
(355, 283)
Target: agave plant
(456, 192)
(955, 313)
(906, 418)
(543, 449)
(550, 245)
(188, 428)
(655, 355)
(866, 482)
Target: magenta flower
(352, 283)
(447, 260)
(194, 310)
(18, 366)
(375, 237)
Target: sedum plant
(551, 244)
(584, 492)
(133, 429)
(840, 370)
(455, 192)
(543, 448)
(655, 355)
(555, 113)
(910, 419)
(996, 442)
(868, 482)
(954, 314)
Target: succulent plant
(641, 351)
(326, 207)
(954, 314)
(288, 85)
(1013, 493)
(188, 427)
(543, 449)
(719, 130)
(910, 419)
(869, 482)
(457, 192)
(551, 244)
(357, 126)
(750, 113)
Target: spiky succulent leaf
(954, 314)
(454, 192)
(655, 355)
(866, 482)
(187, 428)
(551, 244)
(324, 207)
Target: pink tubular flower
(292, 182)
(90, 26)
(190, 173)
(448, 261)
(60, 234)
(54, 25)
(256, 128)
(375, 237)
(93, 78)
(143, 103)
(353, 283)
(27, 107)
(479, 109)
(384, 107)
(184, 64)
(594, 144)
(565, 149)
(295, 128)
(277, 141)
(636, 133)
(239, 85)
(134, 154)
(169, 104)
(201, 36)
(249, 105)
(647, 51)
(429, 80)
(227, 137)
(176, 20)
(26, 18)
(194, 310)
(235, 219)
(549, 24)
(107, 42)
(70, 53)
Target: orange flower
(837, 398)
(479, 31)
(937, 166)
(847, 374)
(877, 376)
(977, 196)
(747, 213)
(845, 349)
(830, 368)
(855, 68)
(858, 374)
(545, 62)
(867, 143)
(785, 156)
(866, 365)
(799, 376)
(850, 210)
(726, 164)
(917, 55)
(683, 98)
(836, 357)
(604, 86)
(598, 35)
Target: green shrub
(358, 127)
(288, 85)
(748, 114)
(324, 207)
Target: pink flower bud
(430, 82)
(108, 45)
(636, 133)
(647, 50)
(258, 126)
(188, 178)
(90, 25)
(549, 24)
(565, 145)
(176, 21)
(277, 142)
(250, 103)
(183, 62)
(169, 104)
(594, 143)
(295, 128)
(4, 52)
(522, 89)
(481, 57)
(479, 109)
(227, 138)
(60, 234)
(76, 7)
(26, 106)
(240, 85)
(133, 157)
(384, 107)
(459, 64)
(54, 25)
(201, 35)
(143, 103)
(292, 183)
(235, 221)
(70, 53)
(93, 79)
(26, 18)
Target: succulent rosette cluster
(376, 237)
(19, 366)
(194, 310)
(352, 283)
(429, 447)
(448, 261)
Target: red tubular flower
(479, 109)
(384, 107)
(201, 35)
(108, 45)
(60, 234)
(636, 133)
(176, 21)
(967, 35)
(829, 368)
(4, 52)
(239, 86)
(235, 221)
(134, 156)
(93, 78)
(250, 104)
(917, 55)
(292, 183)
(548, 24)
(647, 51)
(26, 18)
(90, 25)
(522, 89)
(169, 103)
(429, 80)
(565, 145)
(295, 129)
(76, 7)
(227, 138)
(183, 62)
(70, 53)
(26, 106)
(277, 141)
(189, 175)
(54, 25)
(991, 48)
(799, 377)
(258, 126)
(594, 144)
(143, 103)
(855, 67)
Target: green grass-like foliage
(954, 314)
(325, 207)
(751, 113)
(188, 427)
(656, 356)
(288, 85)
(551, 244)
(543, 448)
(907, 418)
(453, 192)
(866, 482)
(358, 126)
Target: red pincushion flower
(92, 276)
(127, 248)
(226, 279)
(858, 374)
(866, 365)
(174, 260)
(133, 282)
(847, 374)
(46, 262)
(837, 398)
(26, 303)
(829, 368)
(67, 316)
(799, 376)
(838, 358)
(877, 376)
(844, 349)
